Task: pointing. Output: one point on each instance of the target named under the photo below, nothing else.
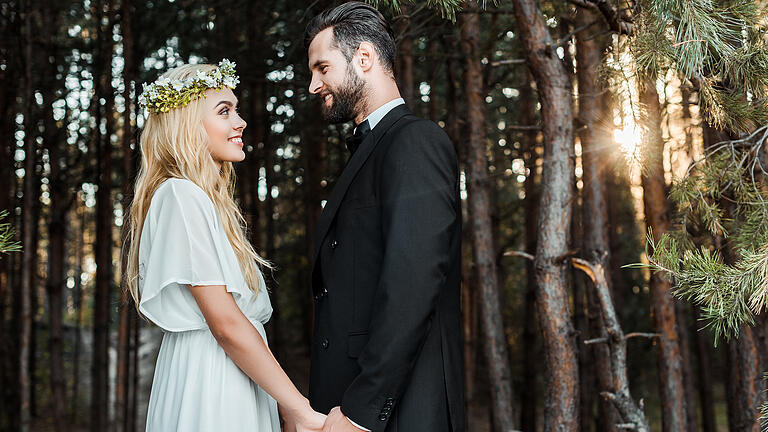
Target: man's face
(335, 80)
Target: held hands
(304, 420)
(338, 422)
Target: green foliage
(7, 233)
(720, 46)
(447, 8)
(718, 256)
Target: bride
(192, 272)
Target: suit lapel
(350, 171)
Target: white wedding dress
(196, 386)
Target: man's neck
(376, 101)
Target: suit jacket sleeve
(419, 211)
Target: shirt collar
(375, 117)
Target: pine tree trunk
(595, 145)
(681, 315)
(404, 58)
(434, 82)
(29, 253)
(8, 181)
(480, 205)
(104, 219)
(744, 382)
(60, 202)
(562, 397)
(531, 354)
(77, 293)
(126, 307)
(704, 358)
(315, 166)
(669, 359)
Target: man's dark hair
(354, 23)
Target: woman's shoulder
(183, 190)
(182, 194)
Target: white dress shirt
(375, 117)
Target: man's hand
(338, 422)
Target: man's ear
(366, 56)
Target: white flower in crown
(165, 94)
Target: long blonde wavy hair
(175, 145)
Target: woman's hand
(304, 419)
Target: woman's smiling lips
(237, 140)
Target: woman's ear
(366, 55)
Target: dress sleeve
(180, 245)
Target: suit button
(383, 417)
(325, 343)
(334, 244)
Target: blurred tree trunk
(531, 354)
(682, 311)
(744, 382)
(704, 358)
(273, 335)
(29, 220)
(595, 147)
(60, 203)
(480, 210)
(133, 403)
(404, 57)
(669, 359)
(9, 75)
(562, 398)
(126, 307)
(433, 67)
(314, 193)
(77, 294)
(104, 219)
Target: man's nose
(315, 85)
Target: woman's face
(224, 126)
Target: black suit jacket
(386, 278)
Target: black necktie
(361, 132)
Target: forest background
(613, 181)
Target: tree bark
(595, 145)
(531, 354)
(562, 397)
(60, 203)
(706, 397)
(404, 57)
(480, 206)
(629, 411)
(126, 308)
(29, 244)
(744, 382)
(104, 222)
(669, 359)
(77, 293)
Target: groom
(386, 351)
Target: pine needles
(7, 233)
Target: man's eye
(324, 69)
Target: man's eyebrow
(318, 63)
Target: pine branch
(7, 233)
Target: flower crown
(166, 94)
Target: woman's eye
(224, 111)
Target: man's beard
(347, 101)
